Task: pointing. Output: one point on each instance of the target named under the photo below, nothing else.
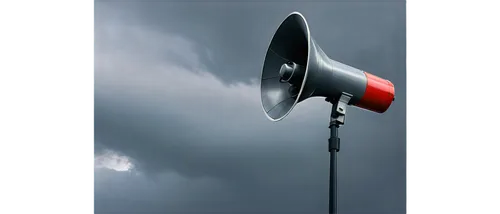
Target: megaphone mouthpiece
(296, 68)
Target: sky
(178, 122)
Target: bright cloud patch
(113, 161)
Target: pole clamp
(334, 144)
(339, 109)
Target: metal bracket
(339, 109)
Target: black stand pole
(334, 144)
(337, 118)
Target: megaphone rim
(305, 75)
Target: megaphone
(295, 68)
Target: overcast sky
(178, 122)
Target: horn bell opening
(289, 45)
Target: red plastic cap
(379, 94)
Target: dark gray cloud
(237, 34)
(174, 92)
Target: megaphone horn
(296, 68)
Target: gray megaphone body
(295, 68)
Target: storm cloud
(178, 122)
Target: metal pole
(333, 148)
(337, 118)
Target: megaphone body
(296, 68)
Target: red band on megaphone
(379, 94)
